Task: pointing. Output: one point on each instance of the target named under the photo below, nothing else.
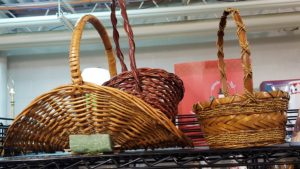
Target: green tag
(90, 144)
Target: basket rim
(238, 98)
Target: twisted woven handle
(128, 30)
(116, 36)
(74, 59)
(245, 52)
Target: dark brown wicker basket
(159, 88)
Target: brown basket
(86, 108)
(159, 88)
(248, 120)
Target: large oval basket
(86, 108)
(248, 120)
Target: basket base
(250, 138)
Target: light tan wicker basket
(247, 120)
(86, 108)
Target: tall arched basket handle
(245, 52)
(74, 59)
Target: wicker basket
(247, 120)
(159, 88)
(86, 108)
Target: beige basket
(86, 108)
(248, 120)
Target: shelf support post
(3, 85)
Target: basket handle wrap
(129, 32)
(74, 59)
(245, 52)
(116, 36)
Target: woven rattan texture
(248, 120)
(48, 121)
(263, 102)
(159, 88)
(246, 138)
(87, 108)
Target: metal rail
(174, 158)
(198, 157)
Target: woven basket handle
(116, 36)
(128, 30)
(245, 52)
(75, 48)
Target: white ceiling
(162, 22)
(45, 15)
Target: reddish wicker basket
(248, 120)
(87, 108)
(159, 88)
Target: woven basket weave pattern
(86, 108)
(52, 117)
(159, 88)
(247, 120)
(246, 138)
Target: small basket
(87, 108)
(248, 120)
(159, 88)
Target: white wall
(3, 90)
(273, 58)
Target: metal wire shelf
(198, 157)
(172, 158)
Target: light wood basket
(86, 108)
(248, 120)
